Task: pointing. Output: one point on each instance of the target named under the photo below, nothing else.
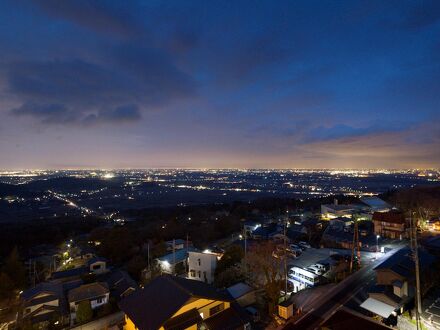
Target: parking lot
(311, 256)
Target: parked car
(304, 244)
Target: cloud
(421, 14)
(122, 114)
(46, 113)
(418, 145)
(143, 80)
(101, 16)
(340, 131)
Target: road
(337, 297)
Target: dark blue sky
(219, 84)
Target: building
(302, 278)
(243, 294)
(69, 274)
(97, 265)
(170, 302)
(119, 283)
(335, 210)
(96, 293)
(390, 224)
(395, 283)
(176, 244)
(175, 262)
(201, 266)
(266, 231)
(347, 319)
(43, 305)
(375, 204)
(249, 227)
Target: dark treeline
(25, 235)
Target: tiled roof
(390, 217)
(88, 291)
(152, 306)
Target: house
(170, 302)
(335, 210)
(69, 274)
(266, 231)
(395, 283)
(390, 224)
(302, 278)
(249, 226)
(97, 265)
(243, 294)
(43, 305)
(96, 293)
(176, 244)
(119, 283)
(375, 204)
(176, 262)
(347, 319)
(202, 265)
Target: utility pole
(148, 255)
(285, 251)
(355, 245)
(415, 247)
(174, 256)
(245, 253)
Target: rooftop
(88, 291)
(151, 307)
(390, 217)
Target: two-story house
(395, 282)
(43, 304)
(202, 266)
(170, 302)
(390, 224)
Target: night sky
(261, 84)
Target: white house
(96, 293)
(202, 266)
(302, 278)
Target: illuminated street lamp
(377, 243)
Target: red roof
(392, 217)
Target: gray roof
(88, 291)
(152, 306)
(402, 262)
(74, 272)
(239, 289)
(375, 202)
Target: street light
(377, 243)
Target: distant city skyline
(242, 84)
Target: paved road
(337, 297)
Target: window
(216, 309)
(192, 273)
(200, 274)
(99, 300)
(199, 262)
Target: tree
(6, 286)
(136, 265)
(84, 312)
(15, 270)
(229, 277)
(232, 257)
(266, 271)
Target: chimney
(335, 202)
